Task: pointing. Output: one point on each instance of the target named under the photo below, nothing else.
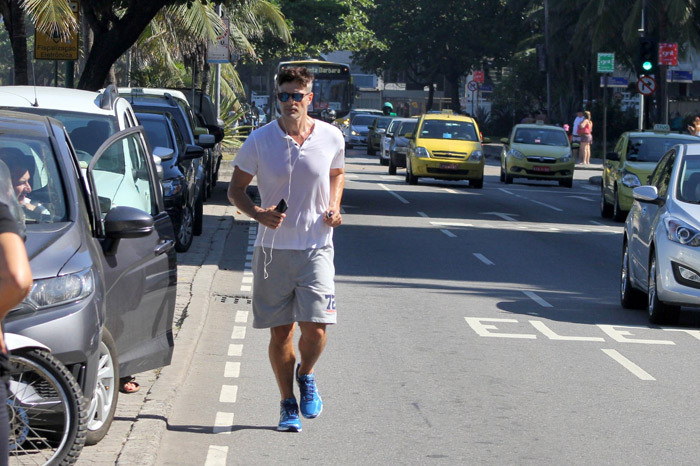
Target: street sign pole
(605, 114)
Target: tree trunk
(431, 96)
(112, 38)
(15, 23)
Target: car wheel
(185, 231)
(382, 160)
(392, 167)
(659, 312)
(503, 175)
(606, 209)
(478, 184)
(104, 397)
(630, 297)
(410, 177)
(508, 179)
(371, 151)
(198, 215)
(619, 215)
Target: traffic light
(648, 56)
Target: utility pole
(642, 32)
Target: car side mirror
(407, 135)
(486, 140)
(125, 222)
(504, 140)
(193, 152)
(648, 194)
(165, 153)
(614, 156)
(207, 141)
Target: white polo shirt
(298, 174)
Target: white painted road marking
(232, 369)
(537, 299)
(504, 216)
(241, 316)
(422, 214)
(483, 259)
(582, 198)
(622, 335)
(235, 350)
(216, 456)
(451, 224)
(546, 205)
(549, 333)
(238, 332)
(448, 233)
(397, 196)
(228, 394)
(223, 423)
(629, 365)
(484, 330)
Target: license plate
(448, 166)
(541, 169)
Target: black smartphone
(281, 206)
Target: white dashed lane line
(448, 233)
(397, 196)
(483, 259)
(216, 456)
(537, 299)
(223, 423)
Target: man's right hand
(269, 217)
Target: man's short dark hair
(295, 74)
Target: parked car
(399, 144)
(356, 133)
(161, 101)
(205, 110)
(538, 152)
(376, 130)
(661, 242)
(385, 143)
(446, 146)
(174, 101)
(179, 180)
(629, 165)
(101, 250)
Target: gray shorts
(299, 287)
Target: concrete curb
(144, 439)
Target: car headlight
(171, 187)
(354, 133)
(516, 154)
(630, 180)
(61, 290)
(422, 152)
(566, 158)
(680, 232)
(476, 156)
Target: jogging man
(300, 161)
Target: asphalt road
(476, 326)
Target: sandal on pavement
(128, 385)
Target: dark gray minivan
(102, 256)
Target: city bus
(333, 88)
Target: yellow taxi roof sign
(447, 111)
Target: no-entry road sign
(646, 85)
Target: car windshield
(87, 131)
(157, 132)
(447, 129)
(651, 149)
(383, 122)
(36, 179)
(407, 127)
(688, 189)
(393, 125)
(363, 120)
(543, 137)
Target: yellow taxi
(445, 146)
(538, 152)
(629, 165)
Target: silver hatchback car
(661, 246)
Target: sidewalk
(141, 418)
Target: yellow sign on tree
(53, 47)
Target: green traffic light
(646, 65)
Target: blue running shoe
(289, 416)
(310, 401)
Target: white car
(661, 246)
(385, 144)
(358, 130)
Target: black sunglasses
(297, 96)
